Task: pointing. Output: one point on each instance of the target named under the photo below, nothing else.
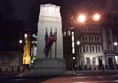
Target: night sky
(28, 10)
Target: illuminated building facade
(89, 52)
(98, 44)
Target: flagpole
(51, 46)
(50, 52)
(56, 44)
(45, 40)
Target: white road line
(107, 81)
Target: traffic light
(32, 61)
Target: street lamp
(115, 50)
(20, 41)
(96, 17)
(78, 42)
(82, 18)
(115, 43)
(73, 58)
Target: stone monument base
(48, 67)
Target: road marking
(107, 81)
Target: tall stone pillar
(49, 22)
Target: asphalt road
(69, 77)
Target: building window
(86, 28)
(81, 38)
(91, 28)
(98, 39)
(87, 48)
(86, 38)
(97, 28)
(94, 62)
(99, 48)
(83, 49)
(93, 49)
(88, 61)
(92, 38)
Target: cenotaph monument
(50, 59)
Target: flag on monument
(46, 37)
(49, 44)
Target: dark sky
(28, 10)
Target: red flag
(49, 44)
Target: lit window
(64, 33)
(73, 50)
(26, 35)
(72, 38)
(88, 61)
(68, 32)
(73, 45)
(94, 61)
(34, 35)
(73, 33)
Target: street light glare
(20, 41)
(81, 18)
(96, 17)
(115, 43)
(78, 42)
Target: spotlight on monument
(96, 17)
(82, 18)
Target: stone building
(90, 50)
(97, 44)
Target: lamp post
(115, 51)
(78, 42)
(20, 42)
(115, 46)
(77, 52)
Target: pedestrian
(85, 67)
(103, 68)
